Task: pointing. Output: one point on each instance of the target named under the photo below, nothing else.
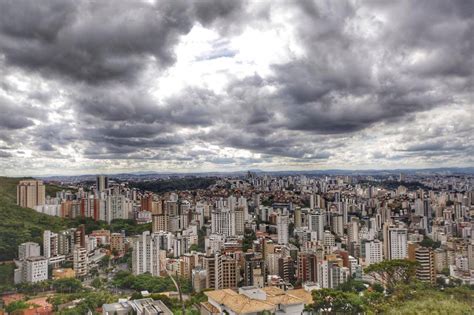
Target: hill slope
(19, 225)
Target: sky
(224, 85)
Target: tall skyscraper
(102, 183)
(30, 193)
(298, 220)
(282, 228)
(316, 224)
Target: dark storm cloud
(4, 154)
(334, 88)
(137, 107)
(99, 40)
(17, 116)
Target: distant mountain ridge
(157, 175)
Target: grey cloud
(4, 154)
(98, 41)
(418, 59)
(17, 116)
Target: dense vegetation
(401, 294)
(126, 280)
(413, 298)
(19, 225)
(165, 185)
(6, 276)
(129, 226)
(394, 184)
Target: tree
(194, 247)
(67, 285)
(392, 272)
(428, 242)
(334, 301)
(96, 283)
(249, 237)
(16, 305)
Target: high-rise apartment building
(316, 224)
(30, 193)
(223, 221)
(28, 249)
(395, 242)
(102, 183)
(80, 261)
(209, 264)
(117, 243)
(50, 244)
(426, 269)
(146, 254)
(307, 267)
(282, 228)
(228, 273)
(373, 252)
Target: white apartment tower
(373, 252)
(316, 224)
(223, 221)
(146, 254)
(395, 240)
(35, 269)
(282, 228)
(50, 244)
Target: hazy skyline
(179, 86)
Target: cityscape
(247, 244)
(237, 157)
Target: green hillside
(19, 225)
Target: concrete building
(316, 224)
(32, 269)
(30, 193)
(50, 244)
(80, 261)
(28, 249)
(227, 272)
(373, 252)
(395, 242)
(282, 228)
(146, 306)
(117, 243)
(146, 254)
(426, 270)
(102, 183)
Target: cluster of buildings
(315, 232)
(100, 202)
(71, 247)
(283, 232)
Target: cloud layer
(224, 85)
